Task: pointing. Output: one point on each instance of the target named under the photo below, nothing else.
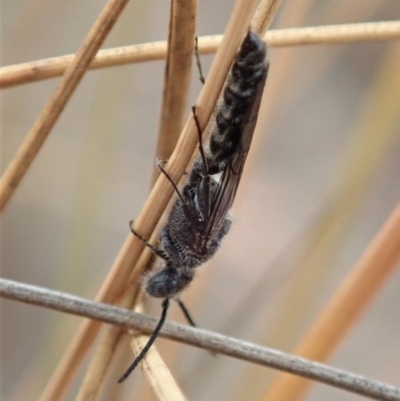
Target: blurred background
(321, 178)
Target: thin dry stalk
(264, 15)
(156, 372)
(19, 74)
(177, 76)
(336, 34)
(352, 298)
(54, 107)
(97, 372)
(204, 339)
(158, 198)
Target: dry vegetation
(310, 265)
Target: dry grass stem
(264, 15)
(356, 292)
(52, 110)
(156, 372)
(180, 50)
(204, 339)
(158, 198)
(99, 364)
(332, 34)
(335, 34)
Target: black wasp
(200, 218)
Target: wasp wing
(225, 194)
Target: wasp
(199, 218)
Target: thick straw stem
(19, 74)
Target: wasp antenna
(152, 338)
